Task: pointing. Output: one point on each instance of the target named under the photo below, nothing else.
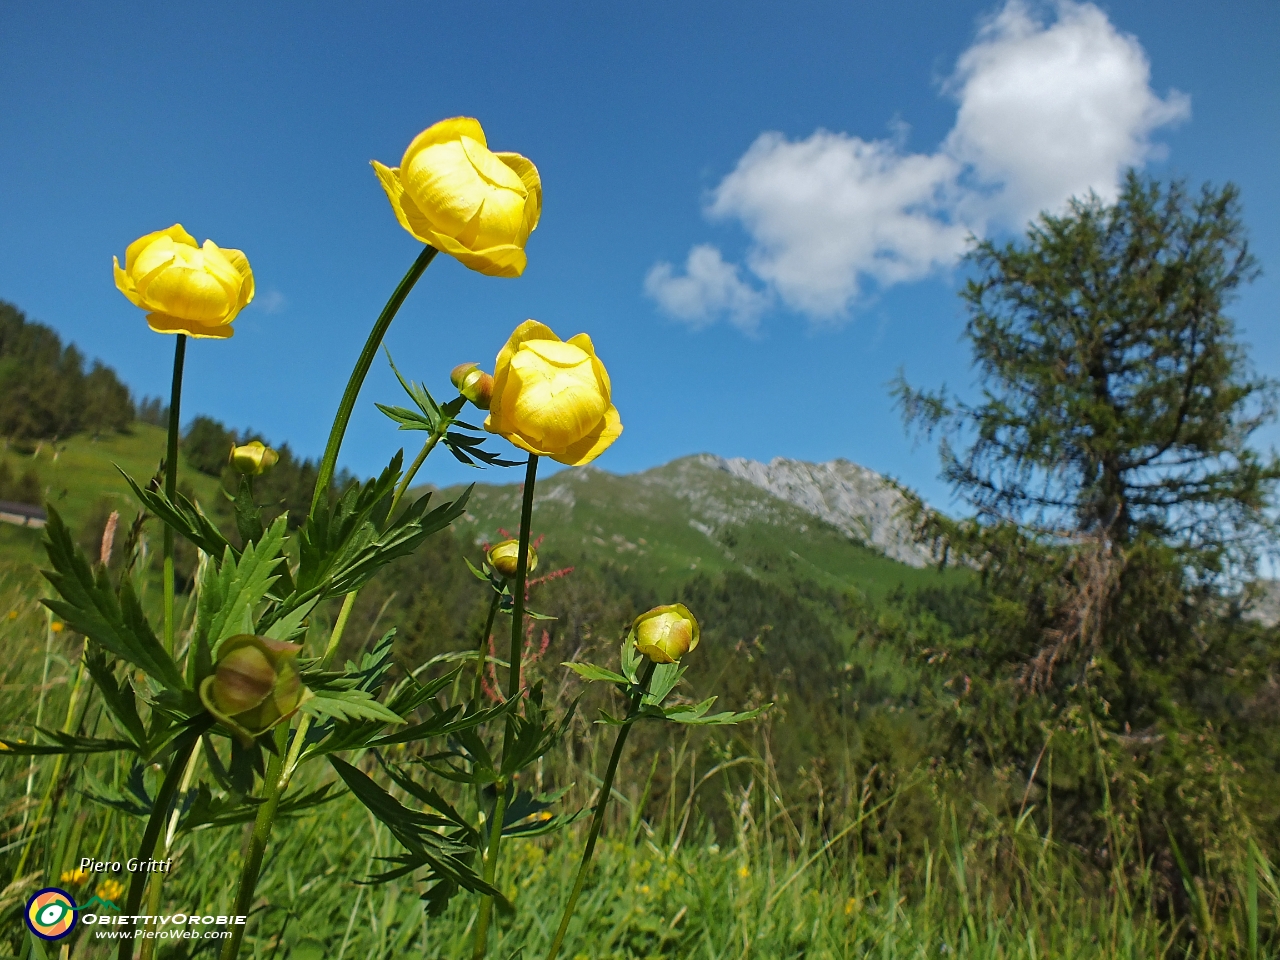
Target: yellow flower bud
(255, 685)
(666, 633)
(253, 458)
(450, 191)
(191, 289)
(552, 397)
(473, 383)
(504, 556)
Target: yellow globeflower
(255, 685)
(188, 288)
(504, 557)
(552, 397)
(253, 458)
(450, 191)
(666, 633)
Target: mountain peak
(859, 502)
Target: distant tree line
(285, 488)
(45, 390)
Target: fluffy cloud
(1046, 111)
(709, 287)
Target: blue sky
(754, 209)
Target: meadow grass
(779, 880)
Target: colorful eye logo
(51, 913)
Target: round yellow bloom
(450, 191)
(253, 458)
(188, 288)
(552, 397)
(504, 557)
(665, 633)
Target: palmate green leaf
(119, 699)
(431, 798)
(63, 743)
(664, 679)
(445, 858)
(185, 517)
(533, 737)
(443, 724)
(202, 810)
(89, 606)
(697, 714)
(242, 585)
(590, 672)
(349, 705)
(529, 816)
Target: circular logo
(51, 913)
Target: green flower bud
(473, 383)
(255, 685)
(505, 556)
(253, 459)
(666, 633)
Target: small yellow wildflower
(110, 890)
(744, 871)
(13, 614)
(74, 876)
(850, 906)
(56, 627)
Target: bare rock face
(861, 503)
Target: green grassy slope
(666, 524)
(79, 479)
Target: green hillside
(79, 478)
(668, 524)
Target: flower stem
(411, 472)
(482, 651)
(280, 768)
(273, 784)
(598, 820)
(513, 691)
(159, 814)
(171, 482)
(361, 370)
(165, 846)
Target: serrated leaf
(90, 606)
(63, 743)
(590, 672)
(348, 705)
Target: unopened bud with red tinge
(473, 383)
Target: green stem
(273, 784)
(483, 650)
(522, 574)
(490, 873)
(411, 472)
(598, 820)
(361, 370)
(513, 691)
(171, 482)
(164, 847)
(159, 814)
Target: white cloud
(1046, 111)
(709, 287)
(1051, 112)
(826, 211)
(272, 301)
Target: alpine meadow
(264, 697)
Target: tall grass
(702, 857)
